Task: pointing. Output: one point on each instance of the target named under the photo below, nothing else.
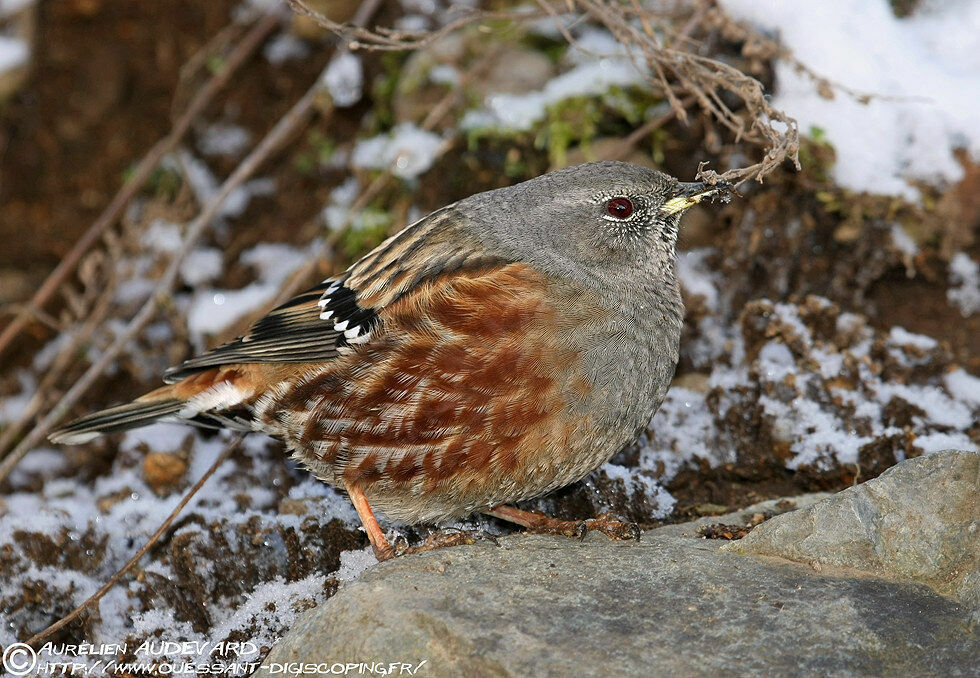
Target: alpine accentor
(497, 349)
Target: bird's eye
(619, 207)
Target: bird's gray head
(612, 219)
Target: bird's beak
(690, 194)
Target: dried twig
(282, 130)
(676, 67)
(360, 38)
(34, 640)
(112, 212)
(65, 358)
(438, 112)
(624, 148)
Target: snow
(222, 139)
(285, 47)
(9, 7)
(937, 442)
(964, 283)
(598, 62)
(903, 241)
(205, 186)
(344, 79)
(902, 337)
(964, 387)
(117, 512)
(202, 265)
(921, 67)
(354, 563)
(412, 23)
(14, 53)
(811, 400)
(444, 74)
(162, 237)
(337, 212)
(698, 280)
(682, 432)
(214, 309)
(520, 112)
(410, 151)
(13, 406)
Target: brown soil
(98, 97)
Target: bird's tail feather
(121, 418)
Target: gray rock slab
(663, 606)
(674, 605)
(919, 520)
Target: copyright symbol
(19, 659)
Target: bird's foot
(538, 523)
(437, 540)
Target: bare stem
(114, 579)
(112, 212)
(282, 130)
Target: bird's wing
(318, 324)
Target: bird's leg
(538, 523)
(382, 549)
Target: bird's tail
(212, 398)
(120, 418)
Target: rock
(538, 605)
(919, 520)
(163, 471)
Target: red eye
(619, 207)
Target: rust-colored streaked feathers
(497, 349)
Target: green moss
(577, 122)
(553, 48)
(215, 64)
(383, 92)
(567, 123)
(370, 228)
(163, 181)
(817, 155)
(316, 152)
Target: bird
(497, 349)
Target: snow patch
(344, 79)
(226, 140)
(964, 284)
(408, 150)
(927, 66)
(14, 53)
(285, 47)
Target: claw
(537, 523)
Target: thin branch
(629, 143)
(112, 212)
(436, 114)
(34, 640)
(358, 37)
(61, 362)
(676, 69)
(282, 130)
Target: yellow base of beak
(690, 195)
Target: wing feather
(326, 320)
